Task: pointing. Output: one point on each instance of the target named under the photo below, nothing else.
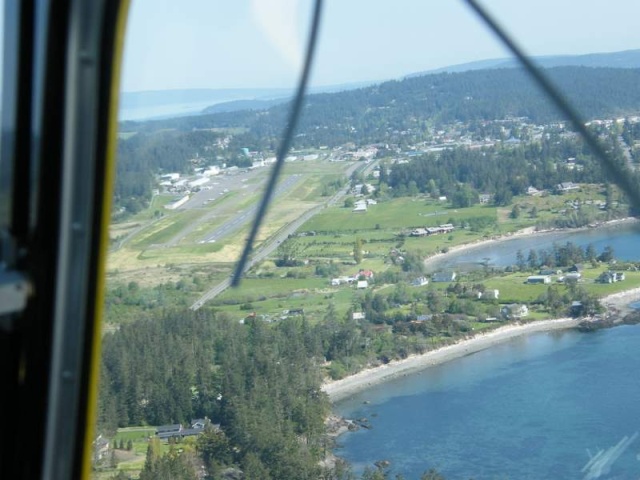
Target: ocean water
(538, 407)
(168, 110)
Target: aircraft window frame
(8, 101)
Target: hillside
(624, 59)
(377, 113)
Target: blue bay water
(624, 239)
(534, 408)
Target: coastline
(520, 233)
(341, 389)
(616, 304)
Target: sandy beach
(341, 389)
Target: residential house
(418, 232)
(573, 276)
(491, 320)
(358, 316)
(200, 422)
(420, 281)
(537, 279)
(514, 311)
(360, 207)
(484, 198)
(611, 277)
(576, 308)
(549, 271)
(421, 232)
(165, 432)
(366, 274)
(491, 294)
(567, 187)
(534, 192)
(100, 448)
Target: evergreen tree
(357, 251)
(520, 261)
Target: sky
(259, 43)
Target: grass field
(316, 168)
(400, 214)
(165, 229)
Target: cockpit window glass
(421, 135)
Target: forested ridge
(443, 98)
(399, 112)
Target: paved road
(280, 236)
(626, 150)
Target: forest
(260, 383)
(501, 171)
